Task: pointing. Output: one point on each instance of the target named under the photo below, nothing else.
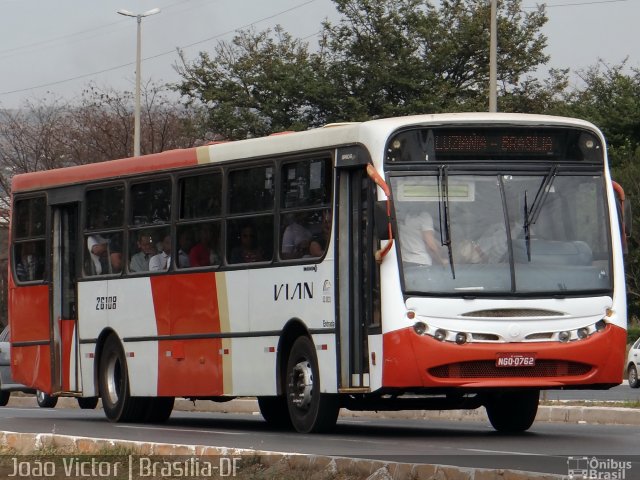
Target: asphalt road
(621, 393)
(544, 448)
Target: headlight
(440, 335)
(420, 328)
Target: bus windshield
(502, 233)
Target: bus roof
(328, 136)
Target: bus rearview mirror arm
(387, 234)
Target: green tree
(256, 85)
(381, 58)
(610, 98)
(407, 56)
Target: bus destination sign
(542, 144)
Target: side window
(251, 189)
(29, 218)
(305, 221)
(249, 240)
(149, 227)
(201, 196)
(199, 226)
(250, 217)
(104, 216)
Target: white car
(633, 364)
(7, 385)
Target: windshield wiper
(531, 215)
(443, 213)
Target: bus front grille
(488, 369)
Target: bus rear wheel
(87, 403)
(117, 402)
(45, 400)
(158, 409)
(4, 398)
(513, 412)
(309, 410)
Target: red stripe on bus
(103, 170)
(29, 313)
(184, 305)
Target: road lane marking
(179, 430)
(504, 452)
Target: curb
(546, 413)
(26, 443)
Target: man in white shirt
(417, 240)
(162, 261)
(140, 261)
(295, 240)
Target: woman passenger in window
(203, 254)
(247, 251)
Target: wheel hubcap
(301, 385)
(113, 380)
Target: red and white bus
(428, 262)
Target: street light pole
(493, 58)
(136, 124)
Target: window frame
(16, 242)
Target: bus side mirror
(623, 207)
(381, 219)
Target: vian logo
(297, 291)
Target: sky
(54, 48)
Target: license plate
(508, 360)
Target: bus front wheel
(512, 412)
(117, 402)
(309, 410)
(275, 411)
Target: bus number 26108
(106, 303)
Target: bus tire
(117, 402)
(275, 412)
(513, 412)
(309, 410)
(158, 409)
(4, 398)
(632, 376)
(45, 400)
(87, 403)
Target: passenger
(162, 261)
(203, 254)
(295, 240)
(29, 266)
(247, 251)
(105, 253)
(140, 261)
(316, 247)
(185, 241)
(417, 240)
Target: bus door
(66, 247)
(355, 272)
